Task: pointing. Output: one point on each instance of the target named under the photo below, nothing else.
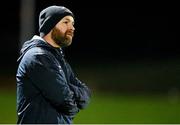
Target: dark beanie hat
(50, 16)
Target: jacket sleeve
(49, 78)
(81, 91)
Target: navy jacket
(47, 89)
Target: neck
(49, 40)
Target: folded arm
(45, 74)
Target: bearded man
(48, 92)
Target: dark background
(126, 52)
(108, 34)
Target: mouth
(70, 34)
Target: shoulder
(38, 55)
(38, 51)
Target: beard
(60, 38)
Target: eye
(66, 22)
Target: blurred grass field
(110, 109)
(123, 93)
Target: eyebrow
(68, 20)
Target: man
(47, 89)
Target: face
(63, 32)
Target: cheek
(62, 29)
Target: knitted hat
(50, 16)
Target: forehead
(68, 18)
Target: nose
(72, 27)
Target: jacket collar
(58, 50)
